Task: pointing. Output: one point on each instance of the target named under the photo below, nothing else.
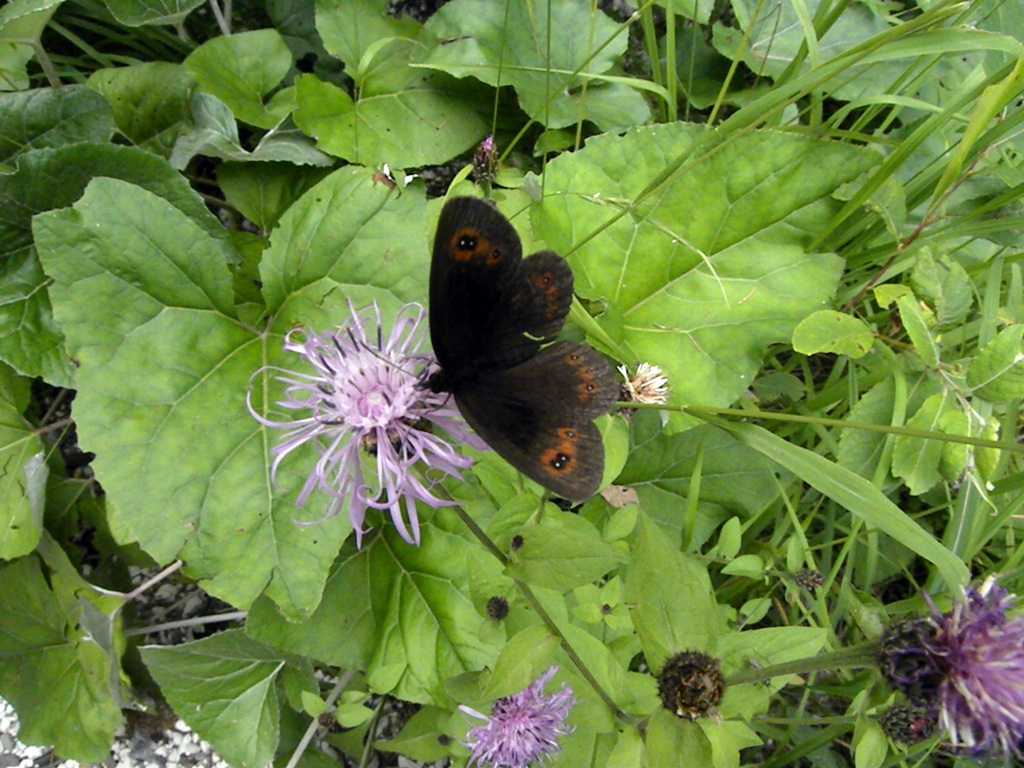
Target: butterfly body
(491, 314)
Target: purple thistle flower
(523, 727)
(364, 396)
(981, 695)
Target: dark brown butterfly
(491, 313)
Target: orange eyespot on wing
(560, 459)
(467, 243)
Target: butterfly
(493, 316)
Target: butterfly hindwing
(490, 308)
(538, 416)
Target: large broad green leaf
(561, 552)
(536, 47)
(226, 688)
(350, 231)
(241, 70)
(400, 612)
(418, 123)
(23, 20)
(150, 101)
(50, 117)
(674, 606)
(372, 43)
(165, 367)
(734, 480)
(135, 13)
(156, 367)
(44, 180)
(398, 115)
(264, 192)
(712, 267)
(23, 470)
(215, 134)
(53, 669)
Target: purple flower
(366, 396)
(981, 695)
(523, 727)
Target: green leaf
(51, 117)
(996, 373)
(215, 134)
(749, 566)
(734, 480)
(22, 470)
(55, 675)
(945, 285)
(711, 270)
(395, 605)
(419, 738)
(352, 715)
(22, 21)
(346, 231)
(395, 114)
(675, 743)
(859, 449)
(673, 603)
(536, 46)
(525, 656)
(918, 328)
(871, 746)
(262, 193)
(561, 552)
(225, 689)
(857, 495)
(170, 309)
(149, 101)
(831, 331)
(14, 59)
(351, 29)
(30, 340)
(135, 13)
(916, 460)
(241, 69)
(416, 124)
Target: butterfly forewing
(490, 308)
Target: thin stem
(307, 737)
(183, 623)
(176, 565)
(365, 759)
(534, 603)
(854, 657)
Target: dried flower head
(522, 728)
(649, 385)
(808, 580)
(691, 684)
(497, 607)
(906, 661)
(907, 723)
(364, 396)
